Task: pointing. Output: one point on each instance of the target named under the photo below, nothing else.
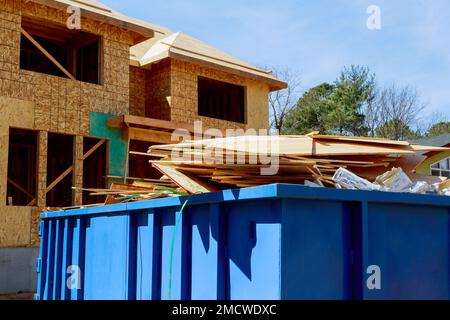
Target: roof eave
(274, 84)
(142, 31)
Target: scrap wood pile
(317, 160)
(201, 166)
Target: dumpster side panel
(171, 264)
(253, 243)
(207, 282)
(410, 245)
(314, 250)
(147, 259)
(107, 256)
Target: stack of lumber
(200, 166)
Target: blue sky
(317, 38)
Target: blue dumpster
(269, 242)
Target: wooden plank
(360, 139)
(116, 122)
(188, 183)
(93, 11)
(19, 187)
(419, 148)
(444, 185)
(59, 179)
(164, 125)
(292, 145)
(48, 55)
(93, 149)
(127, 159)
(409, 162)
(149, 135)
(145, 154)
(156, 181)
(69, 170)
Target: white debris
(422, 187)
(348, 180)
(394, 180)
(312, 184)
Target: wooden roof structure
(98, 11)
(183, 47)
(154, 43)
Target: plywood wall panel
(15, 226)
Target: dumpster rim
(271, 191)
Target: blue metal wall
(269, 242)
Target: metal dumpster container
(269, 242)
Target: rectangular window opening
(78, 52)
(221, 100)
(94, 170)
(59, 160)
(22, 167)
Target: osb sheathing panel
(137, 91)
(37, 101)
(34, 227)
(14, 221)
(63, 105)
(15, 113)
(184, 96)
(15, 226)
(158, 92)
(78, 170)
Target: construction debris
(357, 163)
(346, 162)
(134, 192)
(395, 180)
(348, 180)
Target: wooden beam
(19, 187)
(45, 52)
(156, 181)
(93, 149)
(116, 122)
(58, 180)
(189, 183)
(127, 161)
(98, 13)
(149, 135)
(69, 170)
(169, 126)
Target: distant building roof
(184, 47)
(438, 141)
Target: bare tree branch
(282, 101)
(397, 111)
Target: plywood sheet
(15, 225)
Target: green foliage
(439, 129)
(311, 112)
(353, 88)
(334, 108)
(397, 130)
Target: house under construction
(80, 106)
